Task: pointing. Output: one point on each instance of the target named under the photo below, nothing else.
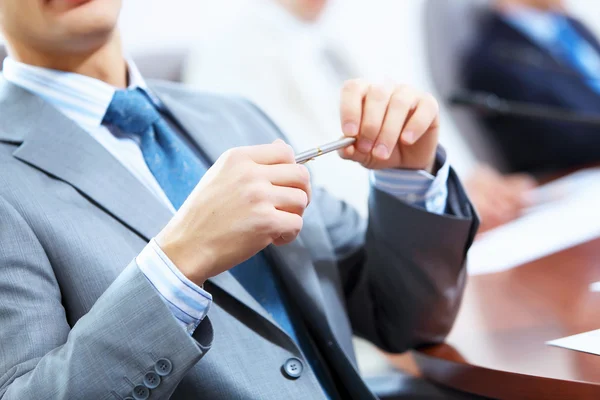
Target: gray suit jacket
(78, 320)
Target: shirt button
(151, 380)
(141, 392)
(292, 368)
(163, 367)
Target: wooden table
(497, 347)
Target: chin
(89, 25)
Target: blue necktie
(575, 50)
(178, 170)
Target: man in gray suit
(130, 268)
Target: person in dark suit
(532, 51)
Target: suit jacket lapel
(56, 145)
(516, 46)
(61, 148)
(321, 308)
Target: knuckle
(227, 156)
(255, 194)
(289, 153)
(293, 227)
(389, 137)
(302, 198)
(404, 88)
(235, 152)
(247, 174)
(268, 223)
(279, 146)
(400, 100)
(297, 224)
(379, 92)
(303, 175)
(232, 156)
(285, 150)
(352, 85)
(431, 101)
(407, 93)
(370, 128)
(418, 123)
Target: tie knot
(131, 111)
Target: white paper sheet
(588, 342)
(567, 214)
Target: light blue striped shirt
(85, 101)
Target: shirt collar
(541, 26)
(81, 98)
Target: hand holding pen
(308, 155)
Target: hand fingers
(290, 175)
(287, 199)
(505, 205)
(491, 218)
(521, 182)
(374, 110)
(400, 105)
(277, 152)
(351, 106)
(422, 120)
(513, 189)
(286, 228)
(351, 153)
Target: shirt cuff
(188, 302)
(417, 188)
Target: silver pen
(311, 154)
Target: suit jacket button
(292, 368)
(141, 392)
(128, 398)
(151, 380)
(163, 367)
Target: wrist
(194, 267)
(434, 166)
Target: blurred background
(380, 33)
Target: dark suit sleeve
(403, 280)
(403, 272)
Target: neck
(105, 63)
(296, 10)
(506, 5)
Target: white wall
(372, 25)
(588, 11)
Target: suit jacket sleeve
(403, 279)
(103, 355)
